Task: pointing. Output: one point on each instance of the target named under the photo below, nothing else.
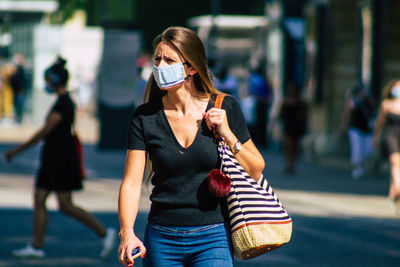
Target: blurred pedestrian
(214, 72)
(1, 94)
(387, 131)
(261, 93)
(6, 94)
(229, 83)
(293, 117)
(358, 119)
(59, 170)
(18, 85)
(187, 225)
(143, 65)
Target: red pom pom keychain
(219, 183)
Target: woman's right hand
(129, 242)
(9, 155)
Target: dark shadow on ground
(325, 179)
(315, 242)
(336, 242)
(67, 242)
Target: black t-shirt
(361, 114)
(17, 81)
(180, 195)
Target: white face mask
(395, 91)
(169, 75)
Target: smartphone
(135, 253)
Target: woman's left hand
(216, 118)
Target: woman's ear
(192, 71)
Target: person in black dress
(260, 89)
(293, 116)
(387, 129)
(59, 167)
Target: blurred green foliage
(68, 7)
(152, 16)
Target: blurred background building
(323, 46)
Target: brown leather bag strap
(218, 101)
(218, 104)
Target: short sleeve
(236, 119)
(61, 106)
(136, 138)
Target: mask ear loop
(189, 65)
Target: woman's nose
(162, 63)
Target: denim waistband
(185, 229)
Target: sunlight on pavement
(319, 204)
(99, 195)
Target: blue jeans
(195, 246)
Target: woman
(388, 127)
(59, 170)
(187, 225)
(358, 118)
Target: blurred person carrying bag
(259, 223)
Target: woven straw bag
(259, 223)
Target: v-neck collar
(168, 125)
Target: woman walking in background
(387, 130)
(59, 170)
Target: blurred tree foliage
(152, 16)
(68, 7)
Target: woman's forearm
(248, 157)
(33, 140)
(131, 187)
(251, 163)
(53, 120)
(128, 206)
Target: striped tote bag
(259, 223)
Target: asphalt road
(337, 221)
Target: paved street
(337, 221)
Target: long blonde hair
(190, 47)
